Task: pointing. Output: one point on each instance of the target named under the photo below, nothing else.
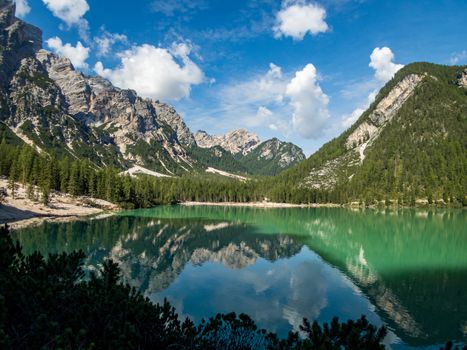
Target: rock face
(408, 132)
(384, 111)
(327, 175)
(462, 81)
(261, 158)
(18, 40)
(53, 107)
(56, 109)
(235, 141)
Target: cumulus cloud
(69, 11)
(266, 117)
(309, 102)
(348, 120)
(22, 8)
(298, 18)
(106, 40)
(286, 103)
(155, 72)
(262, 89)
(76, 54)
(381, 60)
(255, 102)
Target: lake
(406, 268)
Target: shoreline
(21, 211)
(263, 205)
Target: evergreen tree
(45, 195)
(12, 186)
(3, 195)
(30, 191)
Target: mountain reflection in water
(405, 268)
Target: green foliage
(81, 178)
(420, 154)
(218, 158)
(257, 164)
(3, 195)
(49, 303)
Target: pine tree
(12, 180)
(45, 198)
(3, 195)
(74, 181)
(30, 191)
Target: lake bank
(261, 204)
(22, 211)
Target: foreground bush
(48, 304)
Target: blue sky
(298, 70)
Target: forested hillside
(414, 148)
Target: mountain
(261, 158)
(49, 105)
(235, 141)
(409, 145)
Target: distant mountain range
(262, 158)
(47, 104)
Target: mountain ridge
(408, 145)
(268, 157)
(56, 109)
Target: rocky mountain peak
(169, 115)
(57, 109)
(235, 141)
(18, 40)
(7, 10)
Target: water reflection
(281, 265)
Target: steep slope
(50, 105)
(253, 156)
(410, 143)
(272, 157)
(236, 141)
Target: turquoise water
(406, 269)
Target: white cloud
(155, 72)
(69, 11)
(264, 116)
(260, 90)
(348, 120)
(263, 113)
(309, 102)
(458, 57)
(76, 54)
(107, 40)
(284, 103)
(381, 60)
(22, 8)
(298, 18)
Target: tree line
(40, 174)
